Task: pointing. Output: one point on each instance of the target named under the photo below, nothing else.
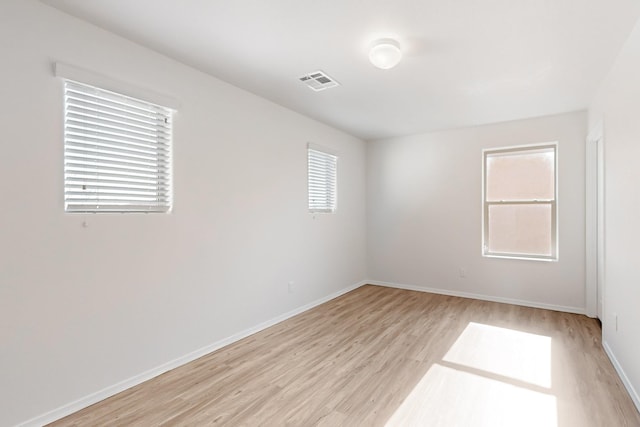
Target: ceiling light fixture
(385, 53)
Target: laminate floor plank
(380, 356)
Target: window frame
(521, 149)
(329, 208)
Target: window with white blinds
(323, 167)
(117, 152)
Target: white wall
(424, 207)
(82, 309)
(617, 106)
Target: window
(322, 180)
(520, 197)
(116, 152)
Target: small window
(520, 199)
(322, 171)
(117, 152)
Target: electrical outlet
(292, 287)
(462, 271)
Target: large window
(520, 202)
(322, 175)
(116, 152)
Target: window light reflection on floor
(448, 397)
(513, 354)
(490, 376)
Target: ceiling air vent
(318, 81)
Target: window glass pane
(520, 229)
(521, 175)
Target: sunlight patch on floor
(514, 354)
(490, 376)
(449, 397)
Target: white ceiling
(466, 62)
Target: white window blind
(117, 152)
(323, 168)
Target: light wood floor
(380, 356)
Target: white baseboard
(622, 374)
(84, 402)
(576, 310)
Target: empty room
(347, 213)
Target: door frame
(594, 221)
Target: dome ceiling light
(385, 53)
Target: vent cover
(318, 81)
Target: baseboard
(84, 402)
(622, 374)
(576, 310)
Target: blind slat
(97, 168)
(104, 97)
(112, 163)
(91, 130)
(128, 147)
(101, 153)
(86, 108)
(134, 182)
(111, 187)
(92, 124)
(93, 109)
